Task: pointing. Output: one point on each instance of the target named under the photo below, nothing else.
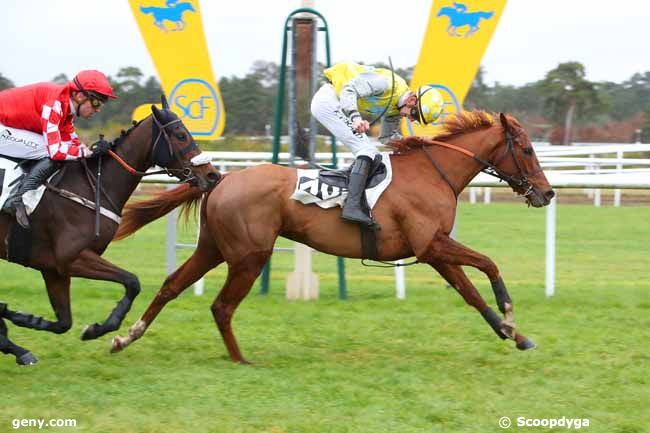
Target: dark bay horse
(63, 242)
(249, 209)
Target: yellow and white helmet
(430, 104)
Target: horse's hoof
(89, 332)
(116, 345)
(3, 308)
(526, 344)
(26, 359)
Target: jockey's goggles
(415, 114)
(95, 102)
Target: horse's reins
(95, 182)
(488, 167)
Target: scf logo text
(193, 109)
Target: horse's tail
(142, 213)
(148, 10)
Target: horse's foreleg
(443, 250)
(241, 276)
(194, 268)
(23, 356)
(90, 265)
(58, 290)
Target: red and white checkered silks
(62, 141)
(43, 108)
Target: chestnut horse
(63, 240)
(249, 209)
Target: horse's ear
(156, 112)
(504, 121)
(164, 102)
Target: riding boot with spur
(353, 210)
(14, 205)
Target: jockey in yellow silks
(356, 92)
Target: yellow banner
(457, 35)
(173, 33)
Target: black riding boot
(36, 176)
(352, 210)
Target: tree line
(563, 100)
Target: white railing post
(200, 284)
(472, 195)
(619, 169)
(550, 247)
(400, 284)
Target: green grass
(369, 364)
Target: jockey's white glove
(85, 152)
(359, 125)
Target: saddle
(340, 178)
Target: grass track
(369, 364)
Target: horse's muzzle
(208, 182)
(540, 199)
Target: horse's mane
(456, 124)
(125, 133)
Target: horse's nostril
(549, 194)
(213, 177)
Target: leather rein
(488, 167)
(99, 191)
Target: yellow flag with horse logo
(455, 40)
(173, 33)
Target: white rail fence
(562, 165)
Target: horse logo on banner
(173, 12)
(459, 17)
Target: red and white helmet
(94, 83)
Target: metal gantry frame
(279, 114)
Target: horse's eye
(528, 150)
(180, 135)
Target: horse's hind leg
(23, 356)
(447, 255)
(203, 259)
(58, 290)
(241, 276)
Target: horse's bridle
(178, 154)
(514, 182)
(489, 167)
(185, 172)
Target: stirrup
(21, 214)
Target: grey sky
(41, 38)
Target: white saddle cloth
(10, 172)
(309, 189)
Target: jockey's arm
(362, 86)
(390, 129)
(61, 140)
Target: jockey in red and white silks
(36, 122)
